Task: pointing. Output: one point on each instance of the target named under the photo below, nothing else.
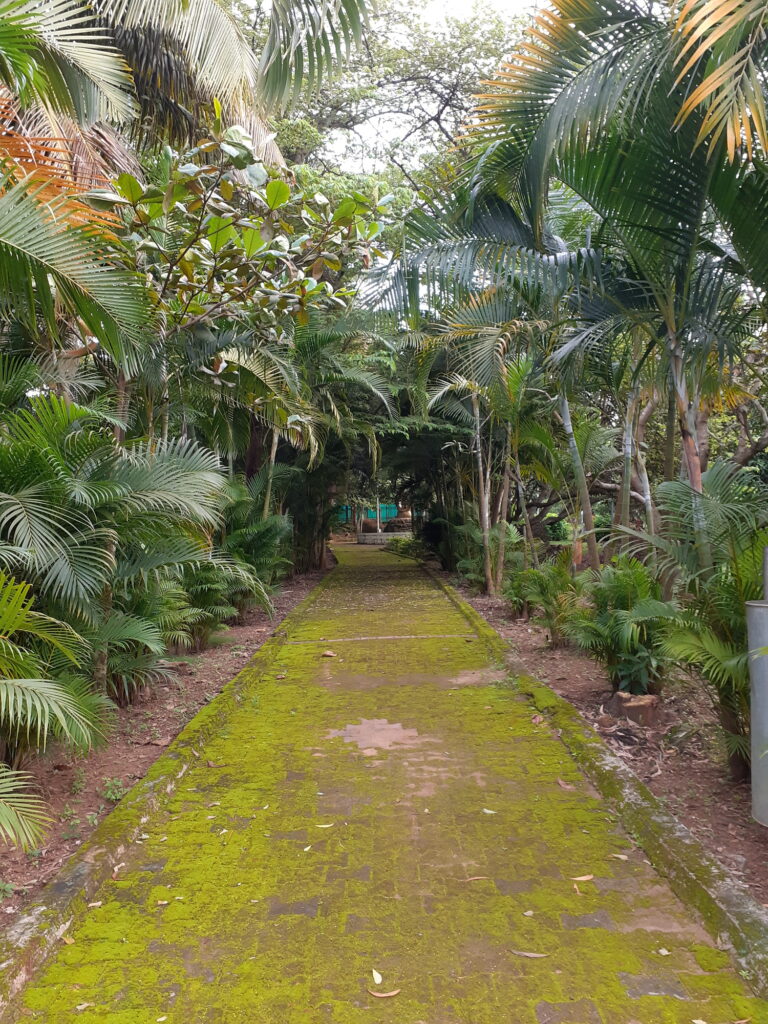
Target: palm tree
(592, 102)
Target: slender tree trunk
(670, 437)
(504, 512)
(122, 406)
(270, 475)
(254, 456)
(582, 488)
(628, 451)
(686, 414)
(482, 494)
(526, 515)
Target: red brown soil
(74, 787)
(681, 758)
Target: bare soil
(681, 758)
(79, 791)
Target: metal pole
(757, 639)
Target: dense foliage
(542, 331)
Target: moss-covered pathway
(388, 809)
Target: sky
(456, 8)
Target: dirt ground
(681, 759)
(81, 790)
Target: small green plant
(93, 816)
(6, 890)
(35, 853)
(72, 831)
(113, 790)
(78, 781)
(69, 814)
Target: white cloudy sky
(438, 8)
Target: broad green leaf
(278, 194)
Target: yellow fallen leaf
(620, 856)
(96, 904)
(68, 939)
(582, 878)
(385, 995)
(487, 811)
(326, 826)
(530, 956)
(377, 977)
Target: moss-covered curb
(730, 914)
(499, 647)
(37, 933)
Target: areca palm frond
(729, 40)
(46, 261)
(305, 38)
(22, 813)
(55, 54)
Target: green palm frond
(32, 708)
(22, 813)
(306, 38)
(45, 260)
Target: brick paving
(382, 804)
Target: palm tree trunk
(270, 475)
(686, 414)
(582, 489)
(670, 437)
(504, 511)
(526, 515)
(482, 495)
(628, 450)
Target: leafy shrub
(409, 548)
(617, 615)
(547, 590)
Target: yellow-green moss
(235, 905)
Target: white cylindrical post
(757, 634)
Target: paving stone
(389, 809)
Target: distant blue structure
(387, 512)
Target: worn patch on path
(376, 803)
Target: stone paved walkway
(388, 809)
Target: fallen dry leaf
(376, 977)
(96, 904)
(68, 939)
(280, 675)
(385, 995)
(537, 719)
(582, 878)
(565, 785)
(487, 811)
(620, 856)
(527, 913)
(326, 826)
(83, 1006)
(663, 952)
(329, 654)
(212, 764)
(475, 878)
(529, 956)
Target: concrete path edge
(728, 911)
(34, 935)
